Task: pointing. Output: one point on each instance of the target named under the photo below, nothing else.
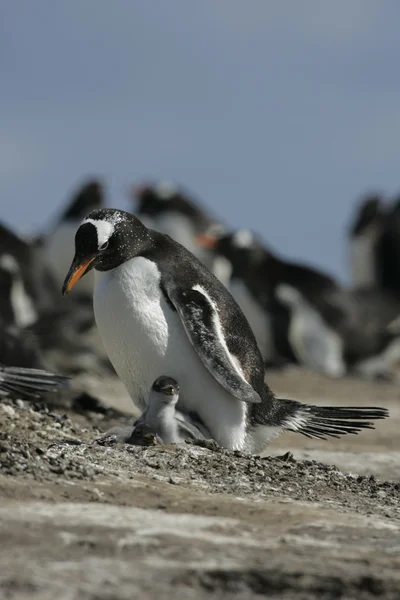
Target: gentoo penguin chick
(141, 435)
(159, 310)
(57, 244)
(161, 415)
(364, 234)
(314, 344)
(19, 382)
(160, 423)
(167, 208)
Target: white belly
(257, 317)
(314, 344)
(145, 339)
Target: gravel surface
(81, 519)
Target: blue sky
(277, 114)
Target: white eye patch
(104, 229)
(243, 238)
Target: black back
(178, 267)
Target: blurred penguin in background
(58, 243)
(301, 315)
(388, 251)
(365, 234)
(36, 330)
(255, 273)
(167, 208)
(30, 279)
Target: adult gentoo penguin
(162, 418)
(159, 310)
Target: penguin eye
(104, 246)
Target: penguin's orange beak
(208, 241)
(74, 274)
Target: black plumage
(24, 383)
(214, 323)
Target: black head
(153, 199)
(89, 197)
(105, 239)
(162, 197)
(370, 210)
(143, 435)
(166, 385)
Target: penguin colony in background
(39, 334)
(190, 314)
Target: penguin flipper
(187, 429)
(28, 383)
(201, 322)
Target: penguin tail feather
(21, 382)
(323, 422)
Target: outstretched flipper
(20, 382)
(323, 422)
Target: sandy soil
(95, 521)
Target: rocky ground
(107, 522)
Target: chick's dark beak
(150, 439)
(76, 271)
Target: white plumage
(313, 342)
(145, 338)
